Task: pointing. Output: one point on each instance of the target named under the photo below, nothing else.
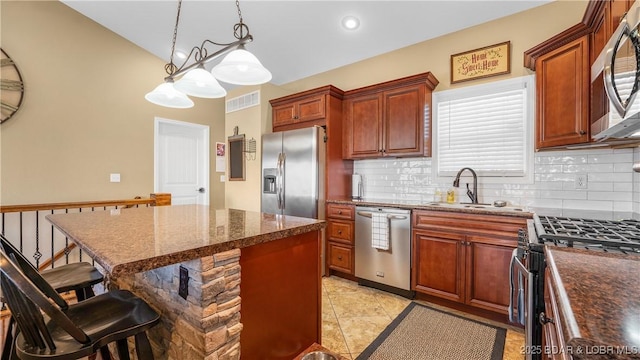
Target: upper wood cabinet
(322, 107)
(562, 95)
(305, 109)
(568, 101)
(389, 119)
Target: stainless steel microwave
(617, 69)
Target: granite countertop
(485, 209)
(126, 241)
(598, 296)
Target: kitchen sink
(476, 206)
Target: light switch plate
(114, 177)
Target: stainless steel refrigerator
(293, 165)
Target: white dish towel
(379, 231)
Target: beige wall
(524, 30)
(253, 122)
(84, 117)
(84, 114)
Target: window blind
(484, 128)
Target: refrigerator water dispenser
(269, 181)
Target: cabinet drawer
(487, 226)
(336, 211)
(341, 231)
(341, 258)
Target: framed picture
(481, 63)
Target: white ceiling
(295, 39)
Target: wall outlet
(183, 286)
(581, 181)
(114, 177)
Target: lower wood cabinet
(340, 238)
(553, 344)
(340, 257)
(464, 257)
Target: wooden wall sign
(480, 63)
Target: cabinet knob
(339, 232)
(582, 132)
(340, 257)
(544, 319)
(339, 212)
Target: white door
(182, 161)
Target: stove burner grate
(603, 235)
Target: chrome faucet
(473, 195)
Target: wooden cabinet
(340, 237)
(562, 84)
(299, 110)
(319, 107)
(439, 264)
(308, 108)
(553, 344)
(389, 119)
(464, 257)
(568, 100)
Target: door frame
(204, 133)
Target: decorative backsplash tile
(611, 184)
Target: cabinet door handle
(544, 319)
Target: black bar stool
(77, 330)
(77, 277)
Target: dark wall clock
(11, 87)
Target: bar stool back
(81, 329)
(77, 277)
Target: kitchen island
(189, 261)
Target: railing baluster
(53, 249)
(21, 232)
(37, 255)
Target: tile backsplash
(611, 185)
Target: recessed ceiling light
(350, 22)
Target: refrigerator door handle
(279, 181)
(282, 184)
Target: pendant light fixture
(239, 67)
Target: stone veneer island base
(253, 279)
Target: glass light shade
(241, 67)
(165, 95)
(199, 82)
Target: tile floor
(353, 316)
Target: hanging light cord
(238, 29)
(171, 68)
(200, 53)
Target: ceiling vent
(243, 102)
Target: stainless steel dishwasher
(385, 269)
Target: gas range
(618, 236)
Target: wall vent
(243, 102)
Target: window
(488, 128)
